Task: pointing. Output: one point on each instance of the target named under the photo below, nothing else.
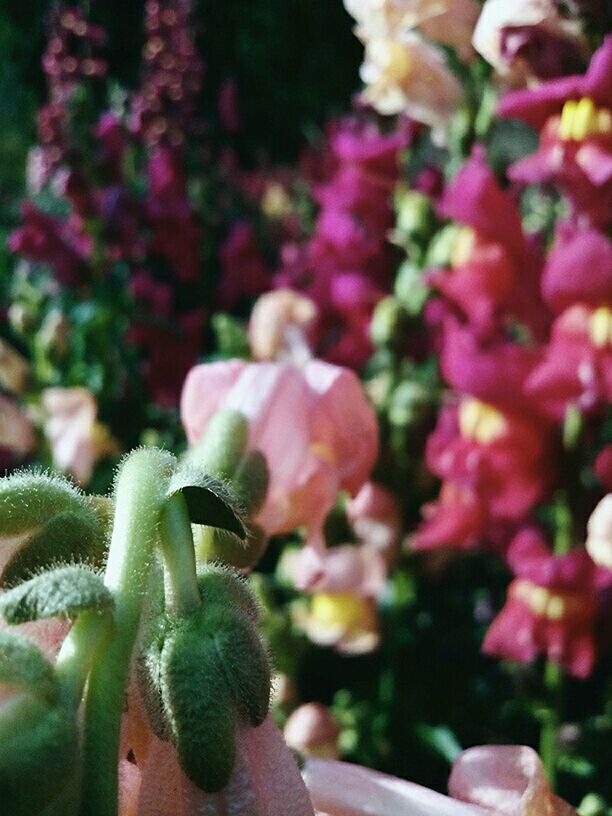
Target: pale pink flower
(13, 368)
(505, 780)
(501, 20)
(16, 432)
(265, 781)
(312, 730)
(358, 569)
(375, 516)
(599, 533)
(282, 325)
(76, 439)
(313, 424)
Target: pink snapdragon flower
(505, 780)
(576, 369)
(17, 437)
(312, 730)
(550, 609)
(313, 424)
(599, 533)
(494, 270)
(574, 116)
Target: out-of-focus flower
(506, 780)
(577, 366)
(358, 569)
(314, 426)
(375, 516)
(550, 609)
(282, 323)
(312, 730)
(13, 368)
(493, 269)
(265, 780)
(496, 465)
(17, 437)
(77, 440)
(244, 272)
(343, 620)
(574, 115)
(405, 74)
(599, 533)
(528, 38)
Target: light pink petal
(507, 780)
(204, 392)
(340, 789)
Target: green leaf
(22, 664)
(208, 500)
(63, 592)
(67, 537)
(28, 500)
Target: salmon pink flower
(314, 426)
(17, 438)
(550, 609)
(575, 117)
(281, 324)
(312, 730)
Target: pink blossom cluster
(525, 341)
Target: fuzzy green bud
(223, 444)
(27, 500)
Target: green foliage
(22, 664)
(63, 592)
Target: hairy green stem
(79, 651)
(183, 595)
(140, 494)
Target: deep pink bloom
(550, 608)
(578, 268)
(46, 239)
(603, 467)
(243, 269)
(494, 269)
(577, 365)
(314, 425)
(574, 115)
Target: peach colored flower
(599, 533)
(343, 620)
(76, 439)
(13, 368)
(282, 323)
(16, 432)
(312, 730)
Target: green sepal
(74, 535)
(28, 500)
(63, 592)
(223, 445)
(24, 666)
(39, 760)
(208, 500)
(212, 544)
(222, 586)
(251, 479)
(199, 706)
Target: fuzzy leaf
(22, 664)
(200, 708)
(223, 445)
(208, 500)
(68, 537)
(28, 500)
(62, 592)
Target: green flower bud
(217, 545)
(23, 665)
(250, 480)
(389, 323)
(63, 592)
(415, 216)
(443, 245)
(410, 404)
(410, 288)
(223, 445)
(27, 500)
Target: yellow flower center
(582, 119)
(548, 603)
(463, 247)
(399, 64)
(600, 327)
(480, 422)
(323, 451)
(341, 609)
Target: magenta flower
(577, 364)
(575, 119)
(243, 269)
(578, 268)
(550, 609)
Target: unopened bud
(27, 500)
(410, 404)
(410, 288)
(415, 217)
(389, 323)
(223, 445)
